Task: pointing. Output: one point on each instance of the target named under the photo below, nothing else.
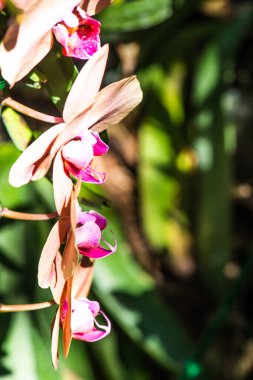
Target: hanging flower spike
(81, 39)
(84, 325)
(89, 234)
(30, 37)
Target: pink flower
(89, 233)
(76, 315)
(74, 142)
(80, 37)
(84, 325)
(29, 38)
(81, 232)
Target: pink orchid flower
(80, 37)
(72, 143)
(81, 232)
(78, 155)
(84, 325)
(76, 314)
(30, 37)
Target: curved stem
(30, 112)
(6, 213)
(26, 307)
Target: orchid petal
(83, 279)
(41, 168)
(82, 318)
(70, 19)
(62, 184)
(95, 6)
(114, 102)
(78, 152)
(96, 253)
(101, 221)
(70, 253)
(55, 339)
(87, 135)
(100, 148)
(46, 262)
(86, 86)
(88, 235)
(70, 256)
(58, 282)
(65, 310)
(82, 42)
(61, 33)
(24, 55)
(95, 334)
(94, 307)
(84, 217)
(87, 174)
(23, 169)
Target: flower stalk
(9, 214)
(9, 102)
(26, 307)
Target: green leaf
(60, 73)
(17, 128)
(156, 155)
(134, 15)
(207, 74)
(10, 197)
(20, 358)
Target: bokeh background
(178, 196)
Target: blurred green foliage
(179, 288)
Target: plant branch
(6, 213)
(26, 307)
(30, 112)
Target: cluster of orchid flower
(69, 147)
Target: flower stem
(30, 112)
(6, 213)
(25, 307)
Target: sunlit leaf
(17, 128)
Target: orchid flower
(80, 37)
(30, 37)
(76, 314)
(73, 143)
(82, 233)
(83, 320)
